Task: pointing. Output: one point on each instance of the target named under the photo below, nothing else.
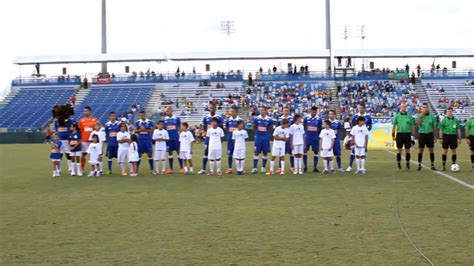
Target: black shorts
(426, 140)
(403, 139)
(450, 141)
(471, 138)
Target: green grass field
(251, 219)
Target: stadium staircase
(8, 98)
(423, 96)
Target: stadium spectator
(73, 99)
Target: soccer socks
(305, 160)
(70, 165)
(180, 161)
(408, 158)
(109, 164)
(362, 164)
(315, 161)
(204, 162)
(264, 161)
(170, 160)
(339, 162)
(454, 157)
(79, 168)
(432, 158)
(150, 162)
(229, 161)
(358, 163)
(326, 162)
(100, 165)
(444, 157)
(292, 161)
(163, 165)
(211, 166)
(255, 161)
(282, 166)
(420, 158)
(351, 160)
(331, 165)
(472, 159)
(399, 160)
(219, 165)
(122, 167)
(239, 164)
(272, 165)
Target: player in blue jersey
(172, 125)
(206, 122)
(262, 126)
(336, 125)
(312, 126)
(144, 129)
(286, 115)
(368, 124)
(63, 129)
(111, 130)
(230, 126)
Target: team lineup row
(294, 135)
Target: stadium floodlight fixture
(228, 27)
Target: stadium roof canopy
(244, 55)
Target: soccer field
(250, 219)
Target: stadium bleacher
(104, 99)
(454, 93)
(30, 108)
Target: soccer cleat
(305, 169)
(349, 169)
(254, 171)
(219, 173)
(54, 174)
(123, 174)
(79, 174)
(325, 172)
(108, 173)
(358, 171)
(278, 170)
(363, 171)
(419, 167)
(292, 169)
(332, 171)
(154, 172)
(182, 170)
(228, 171)
(210, 173)
(444, 169)
(315, 170)
(295, 172)
(433, 168)
(300, 172)
(201, 172)
(98, 174)
(169, 171)
(73, 174)
(91, 174)
(340, 170)
(270, 172)
(282, 172)
(263, 170)
(408, 168)
(240, 172)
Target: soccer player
(231, 126)
(427, 125)
(238, 137)
(286, 115)
(144, 128)
(360, 138)
(100, 133)
(172, 125)
(63, 129)
(312, 125)
(336, 125)
(281, 134)
(55, 154)
(206, 122)
(186, 140)
(470, 137)
(95, 151)
(111, 130)
(75, 146)
(86, 125)
(297, 136)
(262, 125)
(403, 128)
(123, 140)
(215, 135)
(160, 137)
(328, 141)
(368, 124)
(450, 136)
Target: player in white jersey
(281, 134)
(95, 151)
(215, 135)
(360, 139)
(297, 136)
(160, 137)
(238, 137)
(100, 132)
(186, 140)
(327, 139)
(123, 139)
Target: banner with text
(381, 134)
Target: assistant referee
(403, 132)
(427, 124)
(450, 136)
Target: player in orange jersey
(86, 125)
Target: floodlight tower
(329, 62)
(104, 33)
(228, 28)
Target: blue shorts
(145, 147)
(230, 147)
(337, 148)
(313, 145)
(112, 151)
(262, 146)
(172, 145)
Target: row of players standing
(145, 129)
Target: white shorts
(93, 162)
(215, 154)
(298, 149)
(55, 160)
(75, 153)
(326, 153)
(159, 155)
(133, 157)
(65, 146)
(359, 151)
(278, 152)
(239, 154)
(185, 155)
(122, 156)
(85, 146)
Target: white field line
(452, 178)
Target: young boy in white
(297, 143)
(239, 136)
(133, 156)
(100, 132)
(360, 136)
(160, 137)
(186, 140)
(215, 135)
(123, 139)
(281, 134)
(327, 139)
(95, 151)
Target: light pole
(228, 28)
(104, 33)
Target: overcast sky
(49, 27)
